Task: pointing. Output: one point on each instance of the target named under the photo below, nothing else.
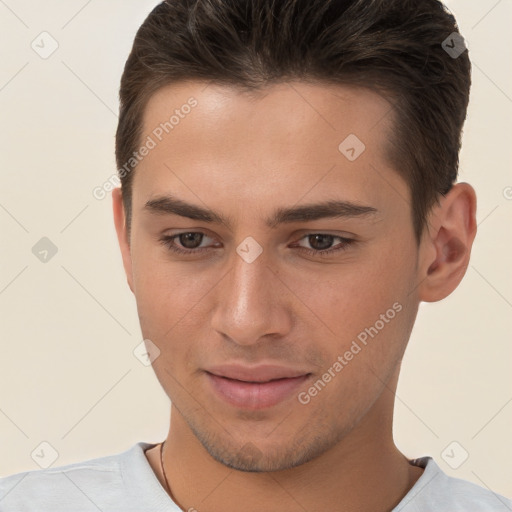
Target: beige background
(68, 375)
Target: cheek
(368, 339)
(166, 288)
(365, 310)
(348, 299)
(170, 302)
(171, 315)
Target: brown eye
(190, 240)
(321, 242)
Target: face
(274, 263)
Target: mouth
(258, 389)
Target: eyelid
(175, 237)
(345, 244)
(297, 235)
(331, 232)
(321, 233)
(342, 245)
(201, 231)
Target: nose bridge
(246, 309)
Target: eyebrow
(169, 205)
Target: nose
(251, 303)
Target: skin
(244, 156)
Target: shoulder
(83, 485)
(436, 491)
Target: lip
(260, 373)
(254, 387)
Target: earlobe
(122, 234)
(447, 242)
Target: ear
(122, 236)
(446, 243)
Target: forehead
(285, 139)
(292, 108)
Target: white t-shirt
(125, 482)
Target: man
(288, 198)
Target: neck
(363, 472)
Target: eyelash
(168, 241)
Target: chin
(265, 455)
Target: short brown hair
(393, 47)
